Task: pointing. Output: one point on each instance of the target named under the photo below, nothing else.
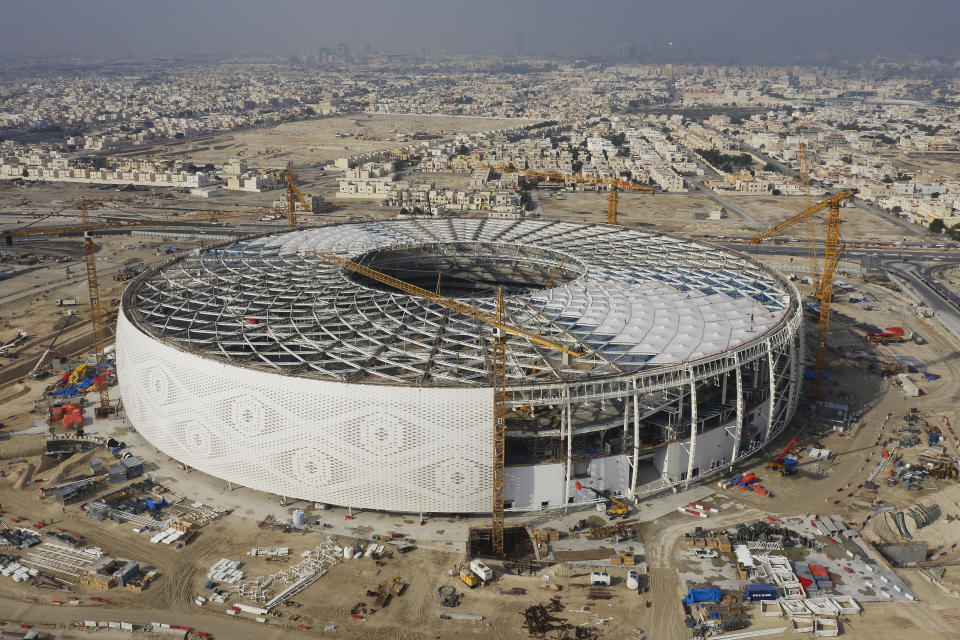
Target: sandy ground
(939, 162)
(317, 141)
(951, 277)
(670, 212)
(856, 223)
(687, 213)
(28, 301)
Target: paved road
(752, 222)
(931, 275)
(906, 264)
(941, 305)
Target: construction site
(443, 427)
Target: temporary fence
(105, 624)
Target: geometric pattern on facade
(387, 448)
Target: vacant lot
(325, 139)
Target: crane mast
(614, 185)
(612, 206)
(823, 293)
(96, 311)
(293, 194)
(811, 235)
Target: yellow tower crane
(96, 311)
(811, 234)
(555, 272)
(98, 314)
(824, 292)
(293, 194)
(614, 186)
(496, 320)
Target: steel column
(693, 429)
(738, 378)
(773, 393)
(636, 439)
(567, 423)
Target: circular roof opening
(470, 269)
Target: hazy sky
(724, 30)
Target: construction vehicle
(481, 570)
(619, 508)
(890, 335)
(38, 370)
(469, 578)
(129, 273)
(499, 369)
(824, 292)
(783, 464)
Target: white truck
(483, 572)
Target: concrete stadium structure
(260, 363)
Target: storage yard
(841, 522)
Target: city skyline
(735, 32)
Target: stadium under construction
(265, 364)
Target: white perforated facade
(389, 448)
(262, 364)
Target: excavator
(619, 508)
(777, 464)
